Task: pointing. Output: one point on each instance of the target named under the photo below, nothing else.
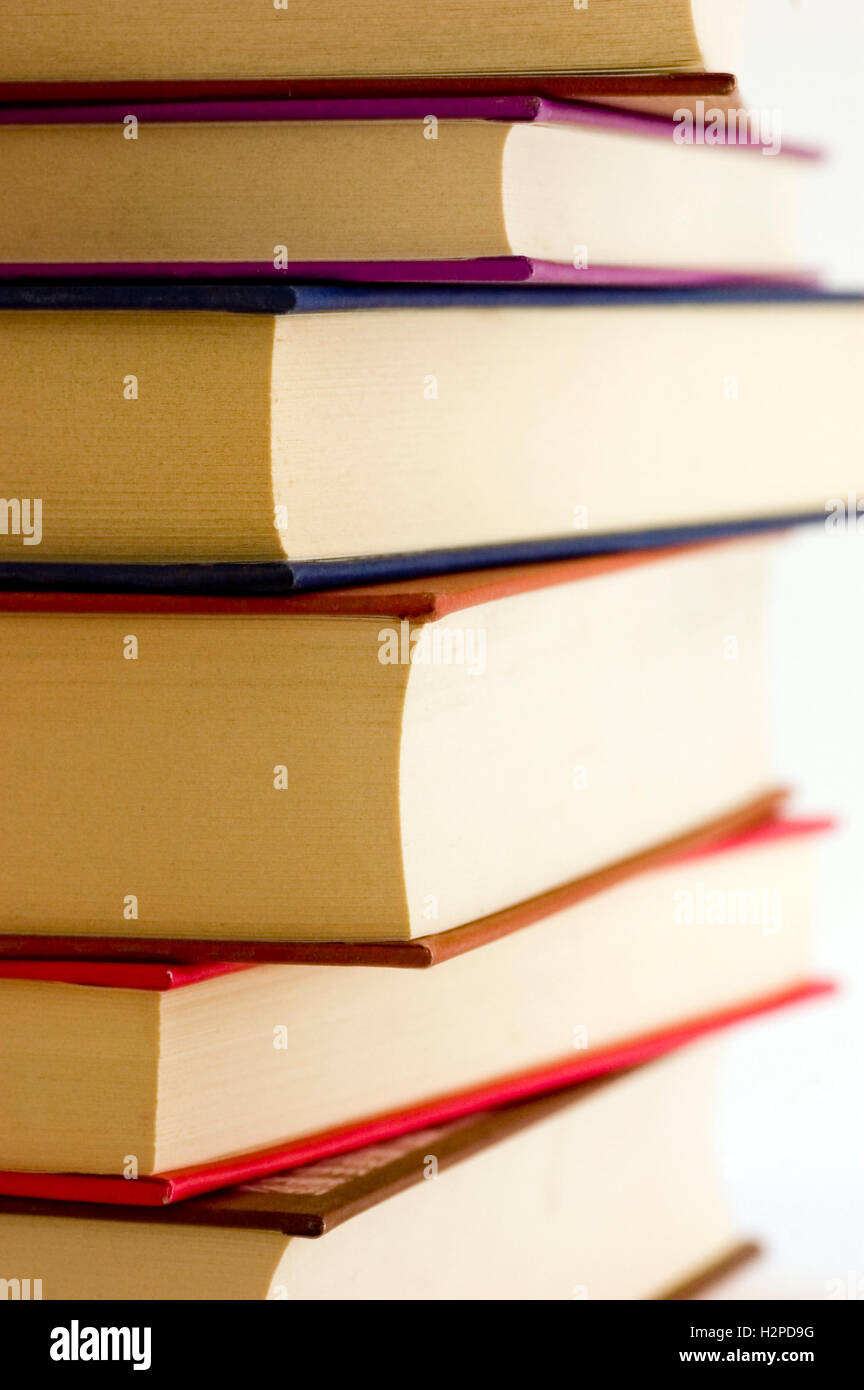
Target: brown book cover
(313, 1199)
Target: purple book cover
(492, 270)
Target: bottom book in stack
(608, 1190)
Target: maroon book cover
(652, 93)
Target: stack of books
(402, 411)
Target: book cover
(164, 1189)
(268, 298)
(269, 580)
(652, 93)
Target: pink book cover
(516, 107)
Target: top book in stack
(93, 41)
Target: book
(408, 432)
(27, 953)
(184, 1078)
(89, 41)
(372, 764)
(517, 1203)
(477, 188)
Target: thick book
(373, 764)
(472, 189)
(255, 438)
(514, 1203)
(131, 1188)
(152, 961)
(148, 1084)
(91, 41)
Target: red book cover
(165, 1188)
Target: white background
(792, 1113)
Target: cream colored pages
(168, 439)
(156, 443)
(531, 1218)
(252, 191)
(476, 427)
(89, 40)
(582, 723)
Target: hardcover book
(372, 764)
(258, 438)
(90, 41)
(390, 189)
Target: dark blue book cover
(280, 297)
